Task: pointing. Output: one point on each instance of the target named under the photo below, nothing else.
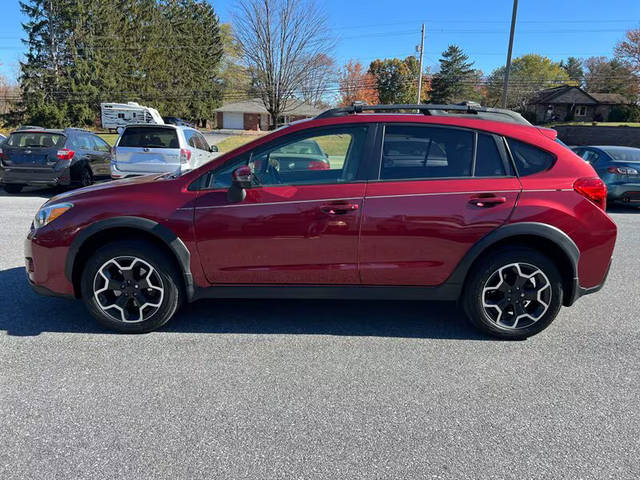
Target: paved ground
(294, 389)
(214, 138)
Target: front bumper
(45, 268)
(35, 176)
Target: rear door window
(83, 142)
(190, 137)
(100, 145)
(201, 142)
(529, 159)
(149, 137)
(35, 140)
(415, 152)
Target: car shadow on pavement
(623, 209)
(45, 193)
(28, 314)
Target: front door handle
(339, 208)
(487, 201)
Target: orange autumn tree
(356, 84)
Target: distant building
(252, 114)
(573, 103)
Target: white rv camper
(116, 115)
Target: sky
(370, 29)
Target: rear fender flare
(532, 229)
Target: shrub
(530, 116)
(624, 113)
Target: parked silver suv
(149, 149)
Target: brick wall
(251, 121)
(219, 120)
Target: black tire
(487, 269)
(168, 279)
(86, 178)
(13, 188)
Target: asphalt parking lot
(310, 389)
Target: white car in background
(151, 149)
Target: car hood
(101, 187)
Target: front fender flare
(164, 234)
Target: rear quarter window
(529, 159)
(146, 137)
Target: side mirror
(241, 179)
(213, 148)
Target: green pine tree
(455, 80)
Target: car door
(91, 156)
(439, 191)
(295, 226)
(102, 153)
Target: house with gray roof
(573, 103)
(252, 115)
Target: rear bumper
(35, 176)
(579, 291)
(624, 192)
(119, 173)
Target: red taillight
(65, 154)
(592, 188)
(317, 165)
(622, 170)
(185, 155)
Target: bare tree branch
(286, 46)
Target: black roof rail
(465, 108)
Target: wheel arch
(118, 228)
(547, 239)
(77, 167)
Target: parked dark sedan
(619, 167)
(47, 157)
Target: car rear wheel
(86, 178)
(513, 293)
(13, 188)
(131, 286)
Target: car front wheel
(131, 286)
(513, 293)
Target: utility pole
(508, 67)
(420, 69)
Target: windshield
(149, 137)
(35, 140)
(625, 155)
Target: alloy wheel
(128, 289)
(516, 296)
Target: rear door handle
(487, 202)
(339, 208)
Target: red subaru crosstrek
(451, 203)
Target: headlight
(49, 213)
